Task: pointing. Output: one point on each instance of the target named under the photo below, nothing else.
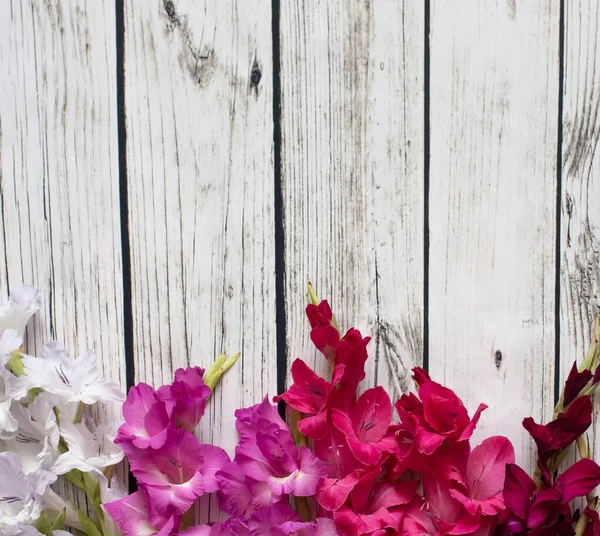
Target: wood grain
(352, 173)
(494, 117)
(59, 195)
(580, 196)
(200, 175)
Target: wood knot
(498, 358)
(170, 9)
(255, 74)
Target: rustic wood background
(172, 170)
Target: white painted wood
(200, 174)
(494, 107)
(59, 196)
(580, 201)
(352, 166)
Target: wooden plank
(200, 175)
(352, 172)
(580, 195)
(59, 191)
(494, 107)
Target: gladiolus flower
(175, 474)
(132, 517)
(186, 397)
(562, 431)
(575, 383)
(266, 453)
(367, 425)
(147, 421)
(438, 417)
(309, 395)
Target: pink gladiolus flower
(147, 420)
(367, 425)
(186, 397)
(375, 507)
(275, 520)
(177, 473)
(131, 515)
(484, 478)
(343, 470)
(281, 520)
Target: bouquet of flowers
(46, 430)
(342, 463)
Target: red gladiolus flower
(593, 528)
(439, 416)
(562, 431)
(309, 395)
(324, 334)
(343, 471)
(547, 511)
(575, 383)
(352, 353)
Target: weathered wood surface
(200, 156)
(580, 196)
(59, 193)
(494, 117)
(352, 79)
(198, 101)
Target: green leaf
(89, 527)
(75, 476)
(59, 522)
(92, 488)
(43, 524)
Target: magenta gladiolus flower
(266, 453)
(131, 515)
(178, 472)
(147, 420)
(186, 397)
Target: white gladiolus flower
(89, 451)
(30, 530)
(20, 494)
(72, 380)
(37, 437)
(12, 388)
(111, 491)
(10, 340)
(23, 303)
